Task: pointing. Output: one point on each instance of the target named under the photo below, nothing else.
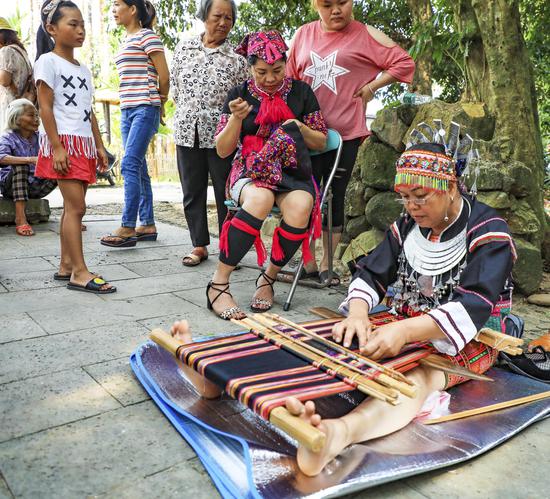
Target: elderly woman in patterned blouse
(205, 68)
(18, 155)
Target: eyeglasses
(416, 201)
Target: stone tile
(30, 301)
(36, 404)
(391, 490)
(18, 327)
(109, 312)
(44, 279)
(302, 301)
(186, 479)
(92, 456)
(14, 265)
(27, 358)
(490, 475)
(147, 286)
(4, 490)
(170, 266)
(101, 255)
(117, 378)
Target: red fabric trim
(277, 252)
(273, 109)
(241, 225)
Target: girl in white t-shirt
(70, 142)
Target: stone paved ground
(76, 423)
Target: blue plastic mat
(256, 460)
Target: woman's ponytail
(44, 42)
(148, 15)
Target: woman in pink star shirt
(341, 58)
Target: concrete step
(37, 210)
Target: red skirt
(82, 159)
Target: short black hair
(206, 5)
(253, 59)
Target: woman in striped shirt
(144, 86)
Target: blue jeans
(138, 126)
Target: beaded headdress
(421, 166)
(267, 45)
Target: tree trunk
(421, 11)
(499, 73)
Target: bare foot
(222, 302)
(181, 331)
(312, 463)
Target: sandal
(228, 313)
(118, 241)
(259, 304)
(24, 230)
(146, 236)
(195, 258)
(92, 286)
(323, 277)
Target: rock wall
(509, 187)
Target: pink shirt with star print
(337, 64)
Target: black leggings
(322, 166)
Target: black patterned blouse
(200, 79)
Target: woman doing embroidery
(271, 121)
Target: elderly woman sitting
(18, 155)
(271, 121)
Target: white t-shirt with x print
(72, 88)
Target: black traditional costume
(462, 279)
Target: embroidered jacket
(477, 292)
(280, 151)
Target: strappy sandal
(259, 304)
(228, 313)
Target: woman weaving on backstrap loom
(448, 261)
(271, 121)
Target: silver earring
(446, 217)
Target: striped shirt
(137, 73)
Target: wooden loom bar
(296, 427)
(346, 373)
(489, 408)
(339, 348)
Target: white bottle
(415, 99)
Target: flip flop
(67, 277)
(146, 236)
(24, 230)
(323, 276)
(195, 258)
(92, 286)
(124, 242)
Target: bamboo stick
(489, 408)
(437, 362)
(342, 370)
(371, 363)
(307, 435)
